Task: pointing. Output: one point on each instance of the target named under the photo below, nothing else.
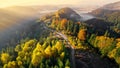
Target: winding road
(72, 48)
(84, 65)
(66, 39)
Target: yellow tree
(12, 64)
(54, 51)
(36, 57)
(19, 63)
(112, 53)
(17, 48)
(82, 34)
(104, 41)
(37, 54)
(48, 51)
(28, 45)
(118, 45)
(62, 55)
(38, 48)
(5, 57)
(59, 46)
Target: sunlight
(59, 33)
(6, 3)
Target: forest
(43, 47)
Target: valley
(60, 37)
(16, 26)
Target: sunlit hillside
(13, 15)
(60, 34)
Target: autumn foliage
(5, 58)
(63, 23)
(82, 34)
(32, 54)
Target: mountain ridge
(113, 6)
(106, 9)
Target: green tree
(67, 63)
(60, 63)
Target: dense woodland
(47, 51)
(101, 34)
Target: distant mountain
(67, 13)
(112, 6)
(101, 12)
(110, 14)
(107, 9)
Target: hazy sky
(5, 3)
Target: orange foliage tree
(63, 23)
(82, 34)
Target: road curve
(66, 39)
(72, 48)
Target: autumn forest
(61, 39)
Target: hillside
(98, 26)
(67, 13)
(109, 13)
(61, 40)
(112, 6)
(83, 38)
(106, 9)
(101, 12)
(14, 16)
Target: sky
(7, 3)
